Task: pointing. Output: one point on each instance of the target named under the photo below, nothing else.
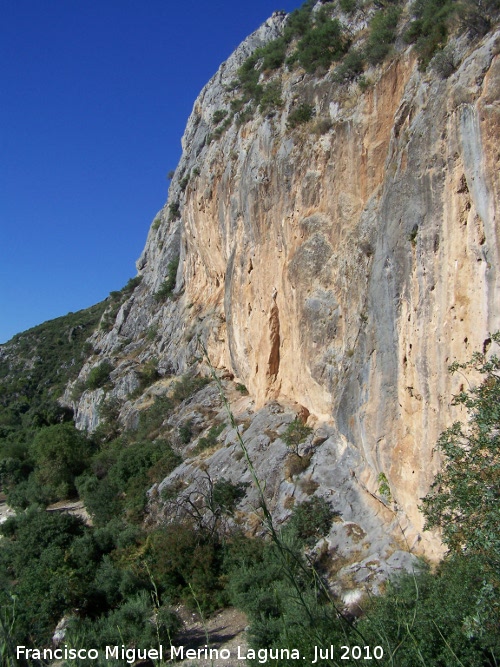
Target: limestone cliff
(341, 264)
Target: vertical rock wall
(343, 268)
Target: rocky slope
(335, 268)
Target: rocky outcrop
(342, 264)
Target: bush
(60, 453)
(187, 564)
(218, 116)
(382, 34)
(167, 287)
(186, 432)
(174, 211)
(311, 519)
(350, 68)
(273, 54)
(148, 373)
(299, 22)
(464, 500)
(296, 433)
(348, 6)
(99, 375)
(226, 495)
(445, 62)
(296, 464)
(35, 557)
(302, 114)
(135, 623)
(423, 618)
(271, 97)
(429, 30)
(187, 386)
(210, 440)
(322, 45)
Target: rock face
(342, 264)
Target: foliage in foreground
(122, 578)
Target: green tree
(60, 453)
(464, 500)
(99, 375)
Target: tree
(464, 500)
(60, 453)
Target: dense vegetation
(117, 579)
(315, 39)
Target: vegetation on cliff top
(316, 38)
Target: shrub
(134, 623)
(464, 500)
(299, 22)
(152, 332)
(148, 373)
(311, 519)
(382, 34)
(302, 114)
(322, 45)
(296, 464)
(445, 62)
(186, 432)
(322, 126)
(99, 375)
(210, 440)
(167, 287)
(132, 283)
(226, 495)
(296, 433)
(271, 97)
(350, 68)
(423, 618)
(35, 557)
(429, 30)
(183, 183)
(383, 487)
(60, 453)
(186, 563)
(218, 116)
(151, 419)
(187, 386)
(174, 211)
(273, 54)
(348, 6)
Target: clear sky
(94, 97)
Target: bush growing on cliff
(302, 114)
(382, 34)
(350, 68)
(322, 45)
(168, 285)
(296, 433)
(429, 31)
(99, 375)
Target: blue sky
(94, 97)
